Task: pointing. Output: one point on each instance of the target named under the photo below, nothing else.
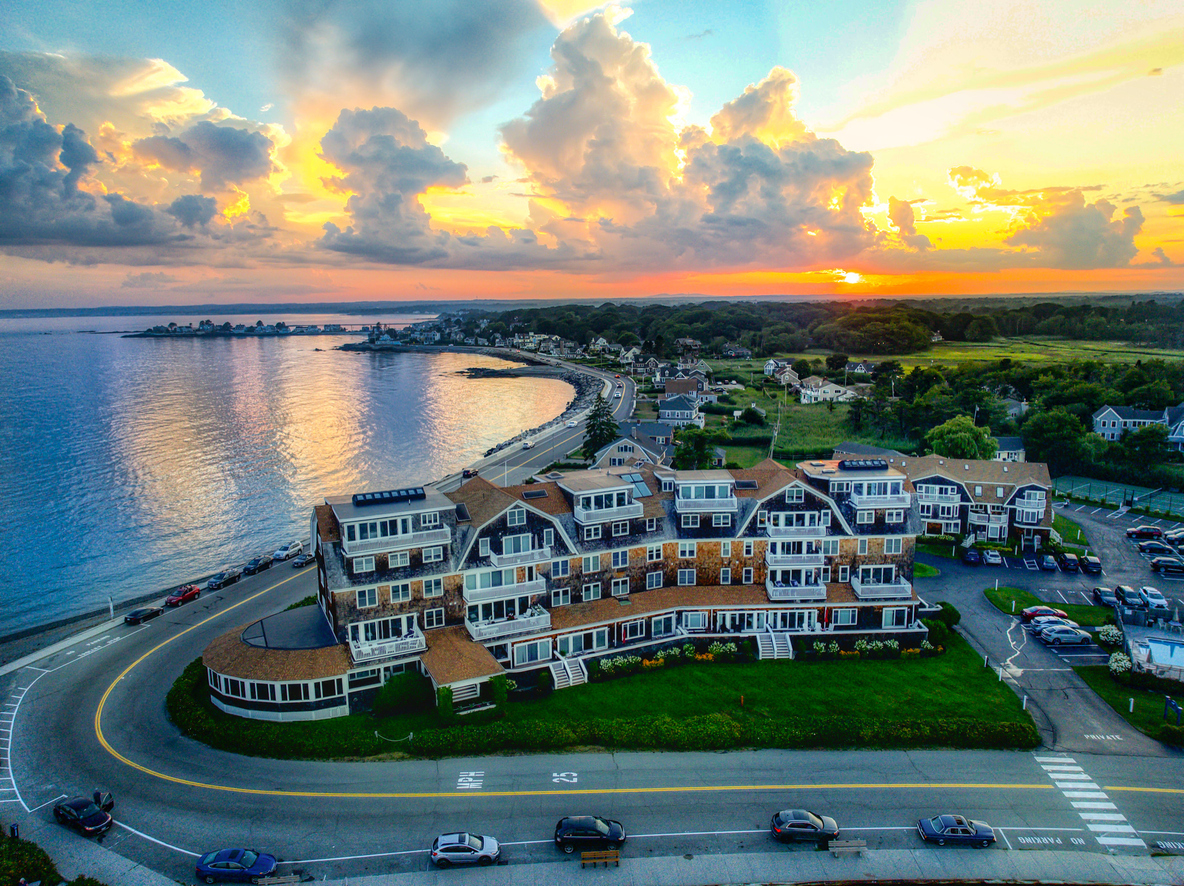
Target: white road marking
(1102, 816)
(47, 802)
(1085, 795)
(1091, 804)
(1122, 841)
(128, 827)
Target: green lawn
(924, 570)
(746, 456)
(1148, 713)
(1002, 599)
(938, 549)
(1071, 532)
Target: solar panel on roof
(535, 493)
(640, 490)
(863, 464)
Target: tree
(601, 429)
(751, 417)
(801, 367)
(1145, 446)
(835, 362)
(693, 447)
(982, 329)
(961, 438)
(1056, 437)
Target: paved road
(1098, 787)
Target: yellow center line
(1116, 787)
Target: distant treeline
(771, 328)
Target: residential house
(692, 386)
(1015, 408)
(655, 430)
(1111, 422)
(736, 352)
(815, 389)
(629, 357)
(688, 347)
(636, 449)
(864, 366)
(1009, 449)
(484, 581)
(785, 376)
(680, 411)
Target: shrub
(949, 616)
(499, 688)
(594, 670)
(409, 691)
(938, 632)
(310, 600)
(1120, 666)
(24, 858)
(1172, 734)
(545, 683)
(444, 704)
(1110, 635)
(833, 648)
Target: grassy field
(1086, 616)
(1147, 716)
(924, 570)
(1070, 531)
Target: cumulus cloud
(901, 214)
(192, 210)
(222, 155)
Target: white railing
(800, 594)
(520, 558)
(624, 512)
(699, 505)
(538, 619)
(816, 559)
(408, 645)
(863, 500)
(945, 498)
(816, 531)
(442, 535)
(1030, 502)
(522, 588)
(877, 590)
(990, 519)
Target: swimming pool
(1169, 653)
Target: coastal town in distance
(649, 443)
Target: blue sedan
(942, 829)
(235, 866)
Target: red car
(1144, 532)
(183, 594)
(1032, 611)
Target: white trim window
(620, 559)
(433, 618)
(560, 568)
(633, 630)
(863, 546)
(429, 521)
(620, 587)
(548, 537)
(667, 484)
(591, 533)
(398, 559)
(585, 641)
(561, 596)
(532, 651)
(690, 521)
(762, 519)
(592, 563)
(696, 620)
(844, 573)
(725, 549)
(926, 510)
(747, 575)
(896, 616)
(363, 564)
(651, 524)
(687, 550)
(433, 555)
(830, 547)
(516, 517)
(748, 548)
(845, 617)
(653, 580)
(893, 545)
(591, 591)
(433, 587)
(401, 592)
(825, 574)
(653, 554)
(894, 516)
(794, 495)
(662, 626)
(864, 517)
(621, 527)
(686, 577)
(725, 576)
(367, 598)
(721, 519)
(483, 548)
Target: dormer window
(517, 517)
(429, 521)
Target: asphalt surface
(1098, 789)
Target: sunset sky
(172, 153)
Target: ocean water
(130, 465)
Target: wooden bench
(595, 858)
(847, 847)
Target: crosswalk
(1108, 826)
(8, 709)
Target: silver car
(1058, 634)
(450, 849)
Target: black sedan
(227, 576)
(798, 824)
(144, 613)
(1105, 596)
(90, 817)
(1158, 548)
(588, 832)
(235, 866)
(1167, 564)
(942, 829)
(303, 560)
(258, 565)
(972, 557)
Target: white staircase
(567, 672)
(771, 644)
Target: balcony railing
(863, 500)
(537, 619)
(800, 594)
(521, 589)
(624, 512)
(877, 590)
(521, 558)
(399, 542)
(991, 519)
(1032, 504)
(815, 559)
(408, 645)
(944, 498)
(700, 505)
(816, 531)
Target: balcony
(537, 619)
(775, 560)
(501, 592)
(631, 511)
(989, 519)
(1031, 504)
(426, 538)
(706, 505)
(521, 558)
(409, 645)
(874, 590)
(816, 531)
(800, 594)
(863, 500)
(941, 498)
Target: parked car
(526, 444)
(571, 422)
(1070, 563)
(227, 576)
(1048, 563)
(143, 614)
(89, 816)
(942, 829)
(992, 557)
(1129, 597)
(235, 866)
(183, 594)
(1153, 599)
(1175, 536)
(1058, 634)
(288, 551)
(1158, 548)
(303, 560)
(1104, 596)
(617, 395)
(1144, 532)
(1040, 622)
(1032, 611)
(1167, 564)
(1091, 565)
(450, 849)
(468, 472)
(798, 824)
(972, 557)
(588, 832)
(257, 565)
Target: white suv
(1153, 598)
(291, 549)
